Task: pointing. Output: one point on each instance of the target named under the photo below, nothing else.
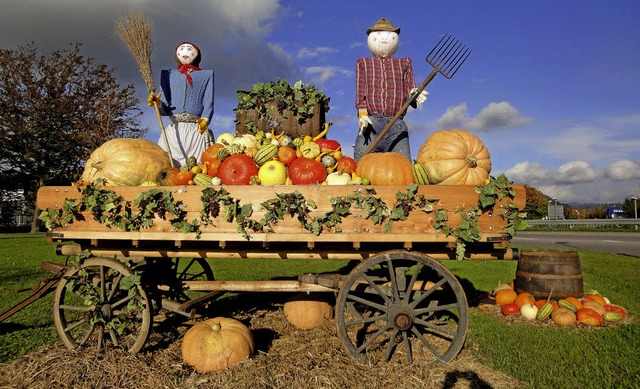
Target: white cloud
(624, 170)
(306, 53)
(493, 116)
(579, 181)
(322, 74)
(589, 143)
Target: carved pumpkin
(388, 168)
(455, 157)
(307, 311)
(217, 344)
(125, 162)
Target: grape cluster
(213, 209)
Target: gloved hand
(203, 124)
(154, 99)
(421, 98)
(363, 120)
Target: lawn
(543, 355)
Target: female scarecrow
(188, 91)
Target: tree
(57, 109)
(536, 207)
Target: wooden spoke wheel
(101, 304)
(169, 273)
(400, 302)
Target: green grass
(545, 356)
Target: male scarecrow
(188, 91)
(383, 86)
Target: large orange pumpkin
(388, 168)
(455, 157)
(125, 162)
(217, 344)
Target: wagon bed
(398, 292)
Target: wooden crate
(285, 121)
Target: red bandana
(186, 69)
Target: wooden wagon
(132, 250)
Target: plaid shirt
(383, 84)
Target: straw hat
(383, 25)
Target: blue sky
(551, 87)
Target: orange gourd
(505, 296)
(125, 162)
(455, 157)
(217, 344)
(523, 298)
(390, 168)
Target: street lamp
(635, 209)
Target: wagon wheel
(101, 304)
(176, 270)
(402, 300)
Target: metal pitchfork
(446, 58)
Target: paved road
(627, 243)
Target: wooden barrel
(544, 272)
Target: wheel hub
(401, 316)
(402, 321)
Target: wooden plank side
(354, 228)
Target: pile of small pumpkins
(447, 157)
(592, 309)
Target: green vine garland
(112, 210)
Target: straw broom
(135, 31)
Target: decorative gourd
(596, 306)
(237, 169)
(246, 140)
(563, 317)
(589, 317)
(265, 153)
(306, 171)
(390, 168)
(420, 175)
(217, 344)
(505, 296)
(455, 157)
(125, 162)
(307, 312)
(310, 149)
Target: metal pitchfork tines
(446, 58)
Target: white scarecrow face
(383, 43)
(186, 53)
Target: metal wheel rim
(118, 320)
(375, 317)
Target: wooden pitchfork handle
(402, 111)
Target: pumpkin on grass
(307, 311)
(455, 157)
(390, 168)
(125, 162)
(217, 344)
